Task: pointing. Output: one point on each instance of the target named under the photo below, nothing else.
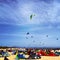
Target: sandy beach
(12, 57)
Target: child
(5, 58)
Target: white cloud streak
(44, 13)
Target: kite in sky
(57, 39)
(31, 16)
(46, 35)
(31, 36)
(27, 33)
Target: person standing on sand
(5, 58)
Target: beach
(12, 57)
(44, 56)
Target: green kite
(31, 16)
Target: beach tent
(13, 52)
(57, 53)
(43, 53)
(51, 54)
(6, 54)
(20, 56)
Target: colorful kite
(31, 16)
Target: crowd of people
(25, 53)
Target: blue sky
(15, 23)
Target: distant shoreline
(30, 47)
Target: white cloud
(21, 15)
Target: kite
(57, 38)
(27, 33)
(46, 35)
(31, 16)
(31, 36)
(33, 41)
(40, 42)
(26, 37)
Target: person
(5, 58)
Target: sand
(12, 57)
